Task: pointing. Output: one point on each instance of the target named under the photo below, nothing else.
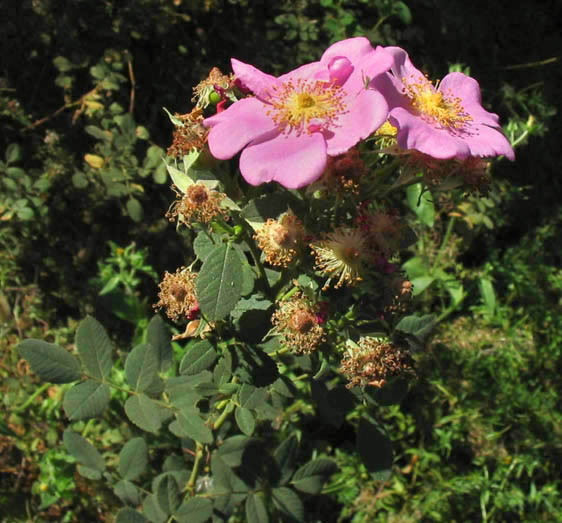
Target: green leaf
(134, 210)
(420, 284)
(94, 347)
(375, 450)
(421, 204)
(256, 511)
(488, 295)
(181, 180)
(204, 244)
(195, 510)
(127, 492)
(98, 133)
(62, 64)
(200, 356)
(158, 335)
(167, 492)
(152, 510)
(129, 515)
(254, 366)
(219, 282)
(419, 326)
(49, 361)
(245, 420)
(259, 210)
(288, 502)
(143, 412)
(402, 11)
(251, 397)
(233, 448)
(79, 180)
(133, 458)
(194, 427)
(84, 452)
(286, 456)
(228, 489)
(86, 400)
(141, 367)
(310, 478)
(13, 153)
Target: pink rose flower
(446, 120)
(293, 123)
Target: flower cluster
(290, 125)
(353, 127)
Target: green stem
(254, 253)
(31, 398)
(443, 243)
(225, 413)
(196, 464)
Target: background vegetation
(83, 194)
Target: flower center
(306, 106)
(444, 109)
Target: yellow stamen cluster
(191, 135)
(339, 256)
(296, 322)
(177, 294)
(280, 240)
(198, 204)
(295, 105)
(372, 361)
(444, 109)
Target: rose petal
(234, 128)
(367, 111)
(251, 77)
(354, 49)
(488, 142)
(293, 161)
(415, 133)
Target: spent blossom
(445, 120)
(287, 130)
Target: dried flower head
(342, 173)
(383, 230)
(474, 171)
(397, 293)
(281, 239)
(177, 294)
(199, 204)
(298, 322)
(372, 361)
(340, 255)
(216, 82)
(190, 135)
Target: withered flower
(198, 204)
(298, 323)
(177, 294)
(280, 240)
(372, 361)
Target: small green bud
(214, 98)
(238, 229)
